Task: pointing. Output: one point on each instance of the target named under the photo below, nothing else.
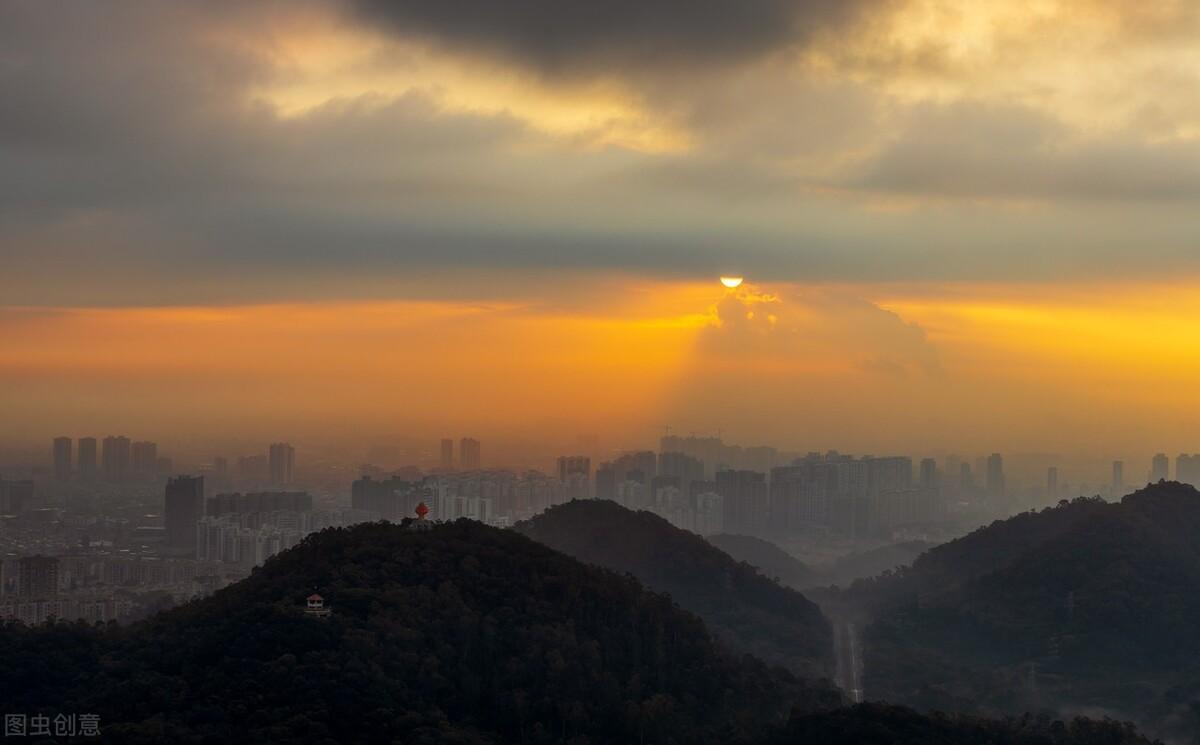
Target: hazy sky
(964, 225)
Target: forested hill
(458, 634)
(765, 556)
(743, 608)
(462, 633)
(1088, 605)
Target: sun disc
(731, 282)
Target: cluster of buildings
(241, 529)
(115, 459)
(497, 497)
(105, 565)
(34, 589)
(831, 492)
(469, 455)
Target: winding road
(849, 661)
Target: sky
(962, 225)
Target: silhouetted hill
(1088, 606)
(462, 633)
(768, 558)
(457, 634)
(870, 562)
(740, 606)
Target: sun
(731, 282)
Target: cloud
(818, 326)
(141, 142)
(969, 150)
(632, 36)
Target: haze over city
(556, 371)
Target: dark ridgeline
(460, 633)
(765, 556)
(744, 609)
(1086, 606)
(870, 562)
(455, 633)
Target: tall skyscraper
(182, 509)
(144, 457)
(87, 458)
(1118, 477)
(1052, 482)
(62, 458)
(447, 460)
(468, 454)
(929, 474)
(606, 481)
(282, 459)
(995, 476)
(115, 458)
(1187, 469)
(1159, 467)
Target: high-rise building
(144, 457)
(392, 499)
(15, 496)
(37, 576)
(282, 459)
(575, 476)
(640, 466)
(995, 476)
(182, 509)
(569, 465)
(1187, 469)
(115, 457)
(1118, 477)
(468, 454)
(1052, 482)
(257, 502)
(447, 461)
(1159, 467)
(87, 458)
(686, 468)
(62, 458)
(252, 468)
(930, 479)
(744, 496)
(606, 481)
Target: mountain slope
(741, 607)
(769, 559)
(461, 633)
(1087, 605)
(870, 562)
(457, 634)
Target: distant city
(112, 529)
